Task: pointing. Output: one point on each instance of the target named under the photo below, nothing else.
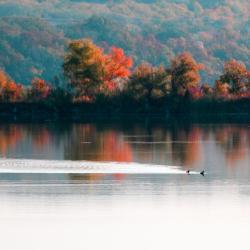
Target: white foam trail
(83, 167)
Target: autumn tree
(9, 90)
(39, 89)
(84, 67)
(12, 92)
(116, 66)
(3, 79)
(149, 82)
(185, 73)
(221, 89)
(236, 75)
(206, 90)
(90, 70)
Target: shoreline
(43, 112)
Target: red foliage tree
(117, 65)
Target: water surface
(127, 211)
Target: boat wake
(83, 167)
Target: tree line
(93, 75)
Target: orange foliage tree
(39, 89)
(185, 73)
(236, 75)
(206, 90)
(90, 70)
(12, 92)
(221, 89)
(3, 79)
(84, 66)
(9, 90)
(3, 82)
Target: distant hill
(34, 32)
(30, 47)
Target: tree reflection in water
(234, 141)
(10, 135)
(182, 145)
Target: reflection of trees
(234, 141)
(10, 135)
(43, 135)
(89, 143)
(148, 144)
(88, 178)
(30, 137)
(85, 178)
(186, 146)
(41, 138)
(161, 145)
(177, 145)
(113, 148)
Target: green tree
(148, 82)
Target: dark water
(60, 211)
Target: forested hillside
(33, 33)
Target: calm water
(98, 211)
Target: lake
(127, 211)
